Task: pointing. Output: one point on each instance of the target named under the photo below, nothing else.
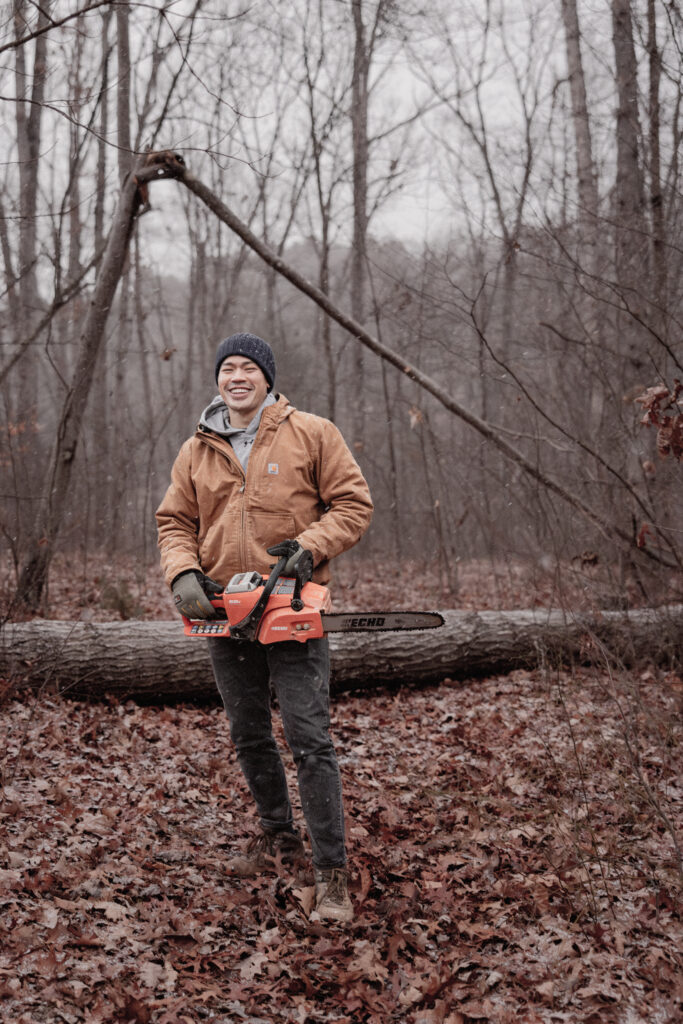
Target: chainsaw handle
(219, 608)
(219, 605)
(297, 604)
(247, 629)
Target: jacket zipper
(231, 457)
(258, 443)
(243, 492)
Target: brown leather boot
(332, 901)
(267, 852)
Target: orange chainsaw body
(279, 620)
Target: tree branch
(226, 215)
(55, 24)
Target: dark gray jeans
(300, 675)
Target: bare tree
(33, 575)
(123, 90)
(586, 176)
(326, 106)
(629, 193)
(30, 91)
(659, 238)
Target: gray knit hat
(252, 347)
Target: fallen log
(153, 662)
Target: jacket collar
(272, 415)
(215, 418)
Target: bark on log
(153, 662)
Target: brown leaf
(416, 417)
(367, 962)
(546, 989)
(643, 533)
(135, 1010)
(306, 897)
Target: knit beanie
(252, 347)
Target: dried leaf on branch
(662, 410)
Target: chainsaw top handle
(247, 629)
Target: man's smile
(243, 387)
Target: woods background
(493, 190)
(488, 194)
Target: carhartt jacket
(302, 483)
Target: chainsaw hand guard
(299, 564)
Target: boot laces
(260, 844)
(336, 886)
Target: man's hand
(191, 592)
(299, 560)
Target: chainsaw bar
(379, 622)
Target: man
(260, 480)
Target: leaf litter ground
(514, 841)
(512, 844)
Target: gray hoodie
(216, 419)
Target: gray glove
(190, 594)
(299, 560)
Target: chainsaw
(281, 608)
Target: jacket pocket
(263, 530)
(219, 547)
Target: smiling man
(243, 387)
(260, 480)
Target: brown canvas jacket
(302, 482)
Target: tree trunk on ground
(154, 662)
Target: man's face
(243, 387)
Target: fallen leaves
(508, 861)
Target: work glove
(192, 591)
(299, 560)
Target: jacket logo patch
(273, 468)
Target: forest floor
(514, 845)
